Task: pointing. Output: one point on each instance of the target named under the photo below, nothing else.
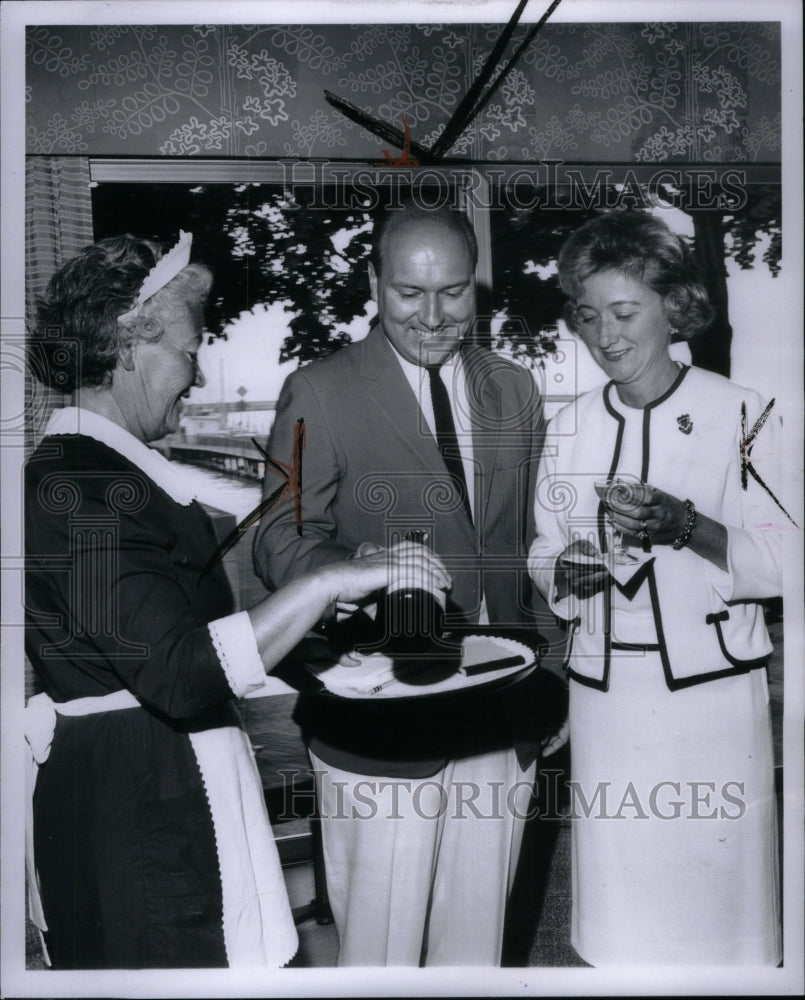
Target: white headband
(165, 269)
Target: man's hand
(553, 743)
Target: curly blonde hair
(640, 246)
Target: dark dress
(125, 842)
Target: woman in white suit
(656, 543)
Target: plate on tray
(475, 661)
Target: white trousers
(419, 869)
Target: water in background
(235, 496)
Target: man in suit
(422, 802)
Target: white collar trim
(76, 420)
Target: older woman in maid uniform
(656, 543)
(151, 844)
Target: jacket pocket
(716, 620)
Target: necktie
(446, 435)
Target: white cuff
(721, 582)
(236, 646)
(754, 560)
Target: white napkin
(371, 670)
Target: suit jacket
(708, 622)
(371, 470)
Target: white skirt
(674, 820)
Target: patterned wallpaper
(618, 93)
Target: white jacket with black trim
(697, 444)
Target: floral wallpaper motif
(653, 93)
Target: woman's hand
(579, 570)
(407, 564)
(661, 518)
(658, 514)
(284, 618)
(345, 609)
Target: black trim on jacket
(647, 573)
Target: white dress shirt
(454, 378)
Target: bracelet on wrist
(687, 527)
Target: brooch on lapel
(685, 423)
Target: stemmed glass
(625, 494)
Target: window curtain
(58, 224)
